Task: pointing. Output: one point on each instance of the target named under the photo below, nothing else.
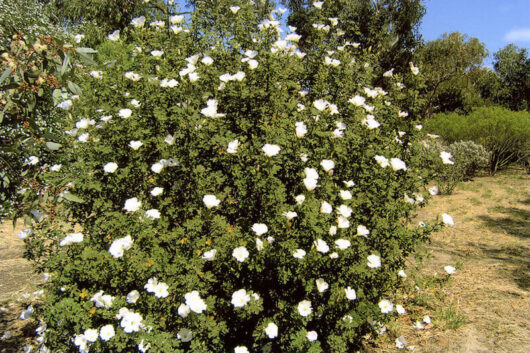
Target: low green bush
(504, 133)
(449, 165)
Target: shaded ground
(484, 307)
(488, 299)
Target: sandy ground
(483, 307)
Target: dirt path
(489, 295)
(483, 307)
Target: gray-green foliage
(188, 93)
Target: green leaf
(87, 59)
(53, 145)
(71, 197)
(86, 51)
(74, 88)
(66, 62)
(5, 74)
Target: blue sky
(494, 22)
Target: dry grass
(484, 307)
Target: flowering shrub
(220, 199)
(449, 165)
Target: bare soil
(483, 307)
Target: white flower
(350, 293)
(66, 105)
(320, 104)
(358, 101)
(23, 234)
(170, 139)
(211, 201)
(343, 222)
(135, 103)
(133, 296)
(304, 308)
(240, 253)
(157, 24)
(427, 319)
(259, 228)
(322, 285)
(183, 310)
(362, 231)
(374, 261)
(326, 208)
(157, 167)
(91, 335)
(433, 190)
(232, 146)
(138, 21)
(252, 64)
(344, 211)
(271, 150)
(211, 109)
(118, 246)
(312, 336)
(102, 300)
(71, 239)
(259, 244)
(402, 274)
(382, 161)
(176, 19)
(132, 76)
(56, 167)
(125, 113)
(321, 246)
(327, 165)
(300, 199)
(370, 122)
(310, 183)
(349, 183)
(446, 157)
(345, 195)
(207, 61)
(398, 164)
(318, 4)
(234, 9)
(81, 342)
(343, 244)
(184, 335)
(131, 322)
(402, 114)
(418, 325)
(78, 38)
(240, 298)
(241, 349)
(114, 36)
(135, 144)
(400, 309)
(195, 303)
(209, 255)
(271, 330)
(448, 220)
(106, 332)
(401, 342)
(83, 138)
(386, 306)
(389, 73)
(26, 314)
(301, 128)
(290, 215)
(157, 191)
(450, 269)
(299, 253)
(143, 348)
(152, 214)
(132, 205)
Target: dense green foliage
(225, 161)
(451, 67)
(504, 133)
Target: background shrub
(189, 175)
(504, 133)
